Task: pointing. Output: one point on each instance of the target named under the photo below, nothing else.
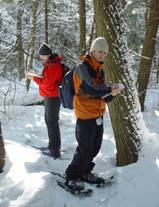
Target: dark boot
(92, 179)
(56, 153)
(75, 185)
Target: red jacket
(52, 77)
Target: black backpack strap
(91, 71)
(83, 73)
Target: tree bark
(92, 33)
(46, 22)
(0, 22)
(125, 109)
(20, 49)
(2, 151)
(82, 12)
(32, 38)
(148, 50)
(157, 73)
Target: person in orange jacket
(89, 107)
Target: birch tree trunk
(125, 109)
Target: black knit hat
(45, 49)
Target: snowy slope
(26, 181)
(16, 92)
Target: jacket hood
(54, 58)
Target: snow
(152, 100)
(18, 94)
(26, 181)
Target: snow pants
(52, 108)
(89, 135)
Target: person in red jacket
(49, 89)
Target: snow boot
(92, 179)
(56, 153)
(75, 185)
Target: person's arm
(51, 76)
(97, 91)
(87, 86)
(37, 80)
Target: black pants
(52, 108)
(89, 136)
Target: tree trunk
(32, 38)
(92, 33)
(46, 22)
(148, 50)
(2, 151)
(20, 50)
(157, 73)
(82, 12)
(125, 109)
(0, 22)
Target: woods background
(130, 27)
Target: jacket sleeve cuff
(109, 98)
(37, 80)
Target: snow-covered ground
(26, 181)
(16, 92)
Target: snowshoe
(95, 179)
(75, 187)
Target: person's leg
(97, 142)
(52, 107)
(85, 132)
(88, 176)
(45, 111)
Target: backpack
(66, 86)
(65, 69)
(67, 90)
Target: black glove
(109, 99)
